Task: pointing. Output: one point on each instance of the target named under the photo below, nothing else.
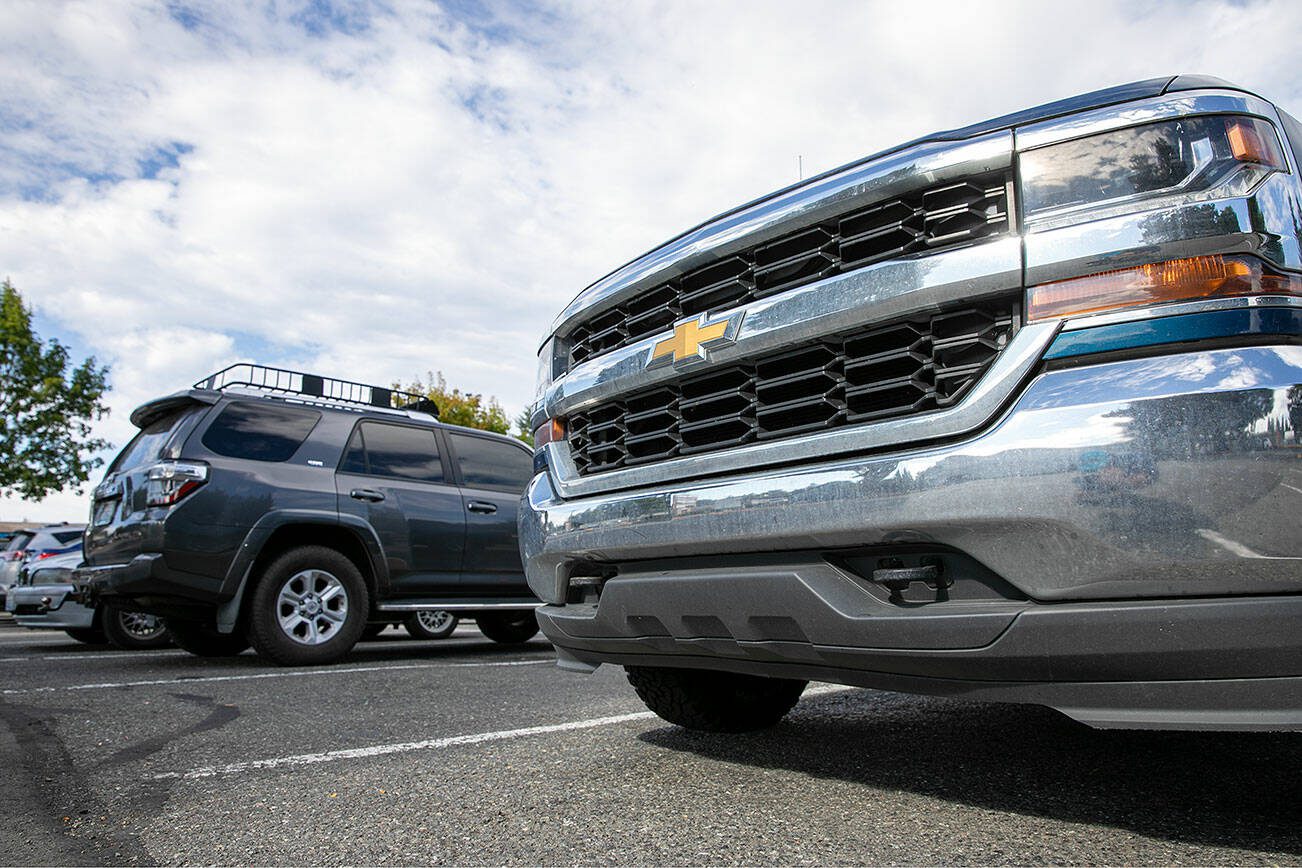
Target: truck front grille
(897, 369)
(941, 217)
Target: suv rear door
(493, 474)
(393, 476)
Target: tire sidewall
(264, 629)
(120, 637)
(417, 630)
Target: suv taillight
(169, 481)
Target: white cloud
(417, 190)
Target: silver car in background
(40, 599)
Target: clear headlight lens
(55, 576)
(1228, 154)
(546, 367)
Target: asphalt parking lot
(464, 751)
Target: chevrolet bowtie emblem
(691, 339)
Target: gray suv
(1010, 412)
(292, 511)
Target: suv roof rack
(315, 389)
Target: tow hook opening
(586, 580)
(896, 577)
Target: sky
(376, 190)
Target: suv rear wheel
(202, 640)
(310, 606)
(437, 624)
(134, 630)
(509, 628)
(714, 701)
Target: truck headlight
(546, 367)
(1195, 157)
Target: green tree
(460, 408)
(46, 410)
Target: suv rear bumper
(1154, 481)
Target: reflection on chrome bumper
(1159, 477)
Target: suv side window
(260, 432)
(379, 449)
(491, 464)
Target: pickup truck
(1009, 412)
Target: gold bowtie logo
(691, 339)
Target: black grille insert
(897, 369)
(945, 216)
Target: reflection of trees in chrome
(1185, 425)
(1194, 221)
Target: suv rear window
(260, 432)
(377, 449)
(148, 443)
(19, 541)
(491, 464)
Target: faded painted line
(1234, 548)
(95, 655)
(307, 759)
(1291, 487)
(295, 673)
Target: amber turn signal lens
(1253, 141)
(551, 431)
(1158, 283)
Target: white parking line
(307, 759)
(1291, 488)
(95, 655)
(1231, 546)
(290, 673)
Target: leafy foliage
(46, 410)
(460, 408)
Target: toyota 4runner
(1010, 412)
(293, 512)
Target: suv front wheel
(714, 701)
(310, 606)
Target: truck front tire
(508, 628)
(711, 701)
(204, 641)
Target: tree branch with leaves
(46, 408)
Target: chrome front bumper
(48, 606)
(1161, 477)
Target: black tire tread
(87, 635)
(508, 628)
(204, 641)
(713, 701)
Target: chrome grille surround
(952, 213)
